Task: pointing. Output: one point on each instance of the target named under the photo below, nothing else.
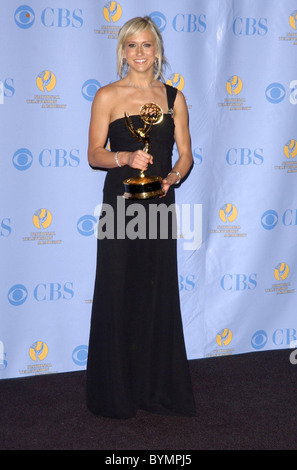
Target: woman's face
(140, 51)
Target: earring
(124, 66)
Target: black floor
(246, 401)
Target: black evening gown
(137, 357)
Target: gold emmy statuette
(144, 186)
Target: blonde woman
(137, 357)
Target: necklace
(141, 87)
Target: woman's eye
(132, 45)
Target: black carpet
(244, 402)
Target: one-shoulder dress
(137, 357)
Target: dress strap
(171, 94)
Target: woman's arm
(98, 156)
(183, 142)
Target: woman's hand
(170, 179)
(138, 159)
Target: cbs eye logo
(17, 294)
(22, 159)
(80, 355)
(159, 19)
(24, 17)
(259, 339)
(275, 93)
(86, 225)
(269, 219)
(90, 88)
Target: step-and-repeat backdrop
(236, 63)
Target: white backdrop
(236, 63)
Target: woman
(137, 357)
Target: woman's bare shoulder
(110, 90)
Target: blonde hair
(135, 26)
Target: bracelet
(116, 158)
(177, 173)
